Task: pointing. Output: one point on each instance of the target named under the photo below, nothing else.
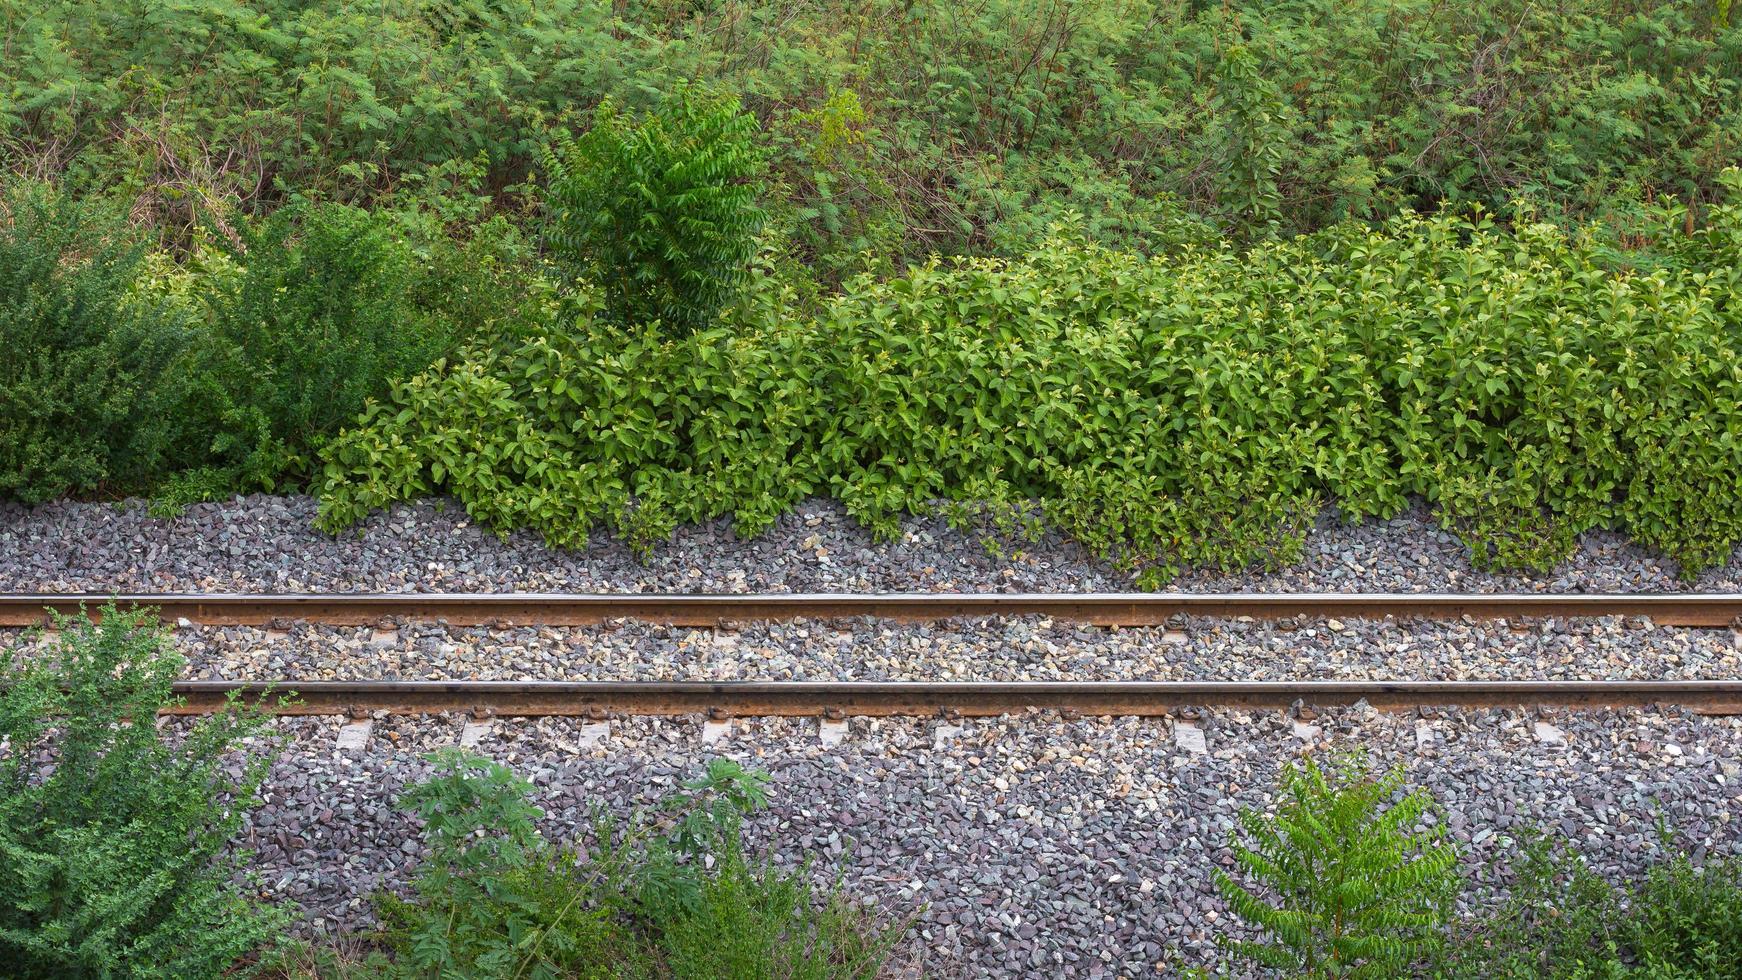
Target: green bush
(1348, 882)
(88, 372)
(114, 862)
(1565, 922)
(1181, 410)
(660, 214)
(668, 894)
(329, 307)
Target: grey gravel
(1022, 648)
(266, 543)
(1027, 846)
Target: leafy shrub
(673, 894)
(1193, 409)
(660, 214)
(596, 425)
(1564, 921)
(324, 314)
(114, 862)
(1360, 890)
(88, 372)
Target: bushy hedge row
(1195, 409)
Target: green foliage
(903, 126)
(88, 369)
(114, 863)
(668, 894)
(330, 305)
(1182, 410)
(1349, 882)
(495, 899)
(1565, 922)
(660, 214)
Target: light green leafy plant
(1168, 412)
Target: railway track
(1103, 609)
(1151, 698)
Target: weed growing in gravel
(112, 865)
(672, 893)
(1565, 922)
(1348, 884)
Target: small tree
(660, 214)
(113, 864)
(1349, 886)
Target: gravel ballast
(1016, 649)
(268, 544)
(1028, 846)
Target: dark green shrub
(1347, 884)
(1563, 921)
(324, 315)
(87, 374)
(660, 214)
(666, 894)
(114, 863)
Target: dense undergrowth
(898, 127)
(117, 838)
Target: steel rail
(967, 699)
(1106, 608)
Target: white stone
(833, 732)
(1548, 734)
(1424, 736)
(1190, 737)
(354, 736)
(594, 732)
(714, 731)
(473, 733)
(1306, 732)
(944, 735)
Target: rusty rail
(1105, 609)
(967, 699)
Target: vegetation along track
(909, 698)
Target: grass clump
(1563, 921)
(671, 893)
